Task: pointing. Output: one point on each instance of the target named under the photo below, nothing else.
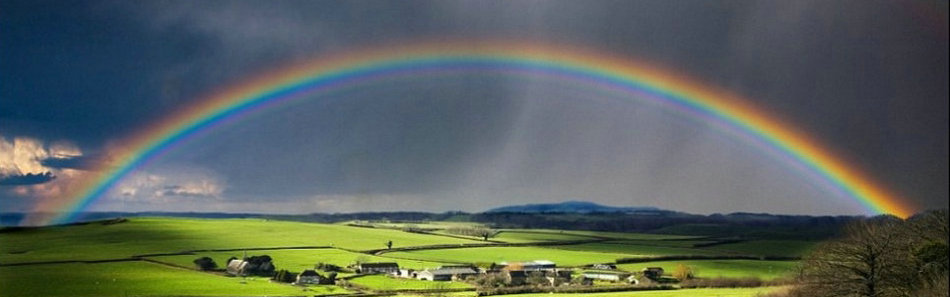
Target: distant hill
(572, 207)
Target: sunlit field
(137, 279)
(172, 244)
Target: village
(504, 274)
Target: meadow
(298, 259)
(766, 270)
(140, 236)
(137, 279)
(154, 256)
(382, 282)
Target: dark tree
(872, 260)
(260, 265)
(205, 263)
(284, 276)
(389, 245)
(881, 257)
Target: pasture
(509, 254)
(383, 282)
(765, 270)
(32, 258)
(137, 279)
(140, 236)
(297, 260)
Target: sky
(866, 78)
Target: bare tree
(874, 259)
(931, 252)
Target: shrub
(205, 263)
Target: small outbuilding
(606, 266)
(514, 277)
(377, 268)
(446, 273)
(407, 273)
(612, 276)
(309, 277)
(237, 267)
(653, 273)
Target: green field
(686, 243)
(612, 235)
(383, 282)
(510, 254)
(297, 246)
(516, 236)
(422, 225)
(136, 279)
(787, 248)
(729, 292)
(296, 260)
(159, 235)
(765, 270)
(636, 250)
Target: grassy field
(136, 279)
(667, 243)
(162, 235)
(612, 235)
(509, 254)
(729, 292)
(636, 250)
(333, 244)
(423, 225)
(765, 270)
(296, 260)
(516, 236)
(383, 282)
(787, 248)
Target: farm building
(407, 273)
(653, 273)
(604, 266)
(514, 277)
(310, 277)
(606, 275)
(377, 268)
(446, 273)
(537, 265)
(237, 267)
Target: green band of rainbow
(354, 67)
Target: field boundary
(378, 252)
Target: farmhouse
(446, 273)
(606, 275)
(237, 267)
(407, 273)
(308, 277)
(514, 277)
(377, 268)
(537, 265)
(517, 273)
(604, 266)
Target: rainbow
(354, 67)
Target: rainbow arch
(353, 67)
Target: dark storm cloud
(866, 77)
(26, 179)
(71, 162)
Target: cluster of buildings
(514, 273)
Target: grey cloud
(86, 162)
(26, 179)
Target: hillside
(571, 207)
